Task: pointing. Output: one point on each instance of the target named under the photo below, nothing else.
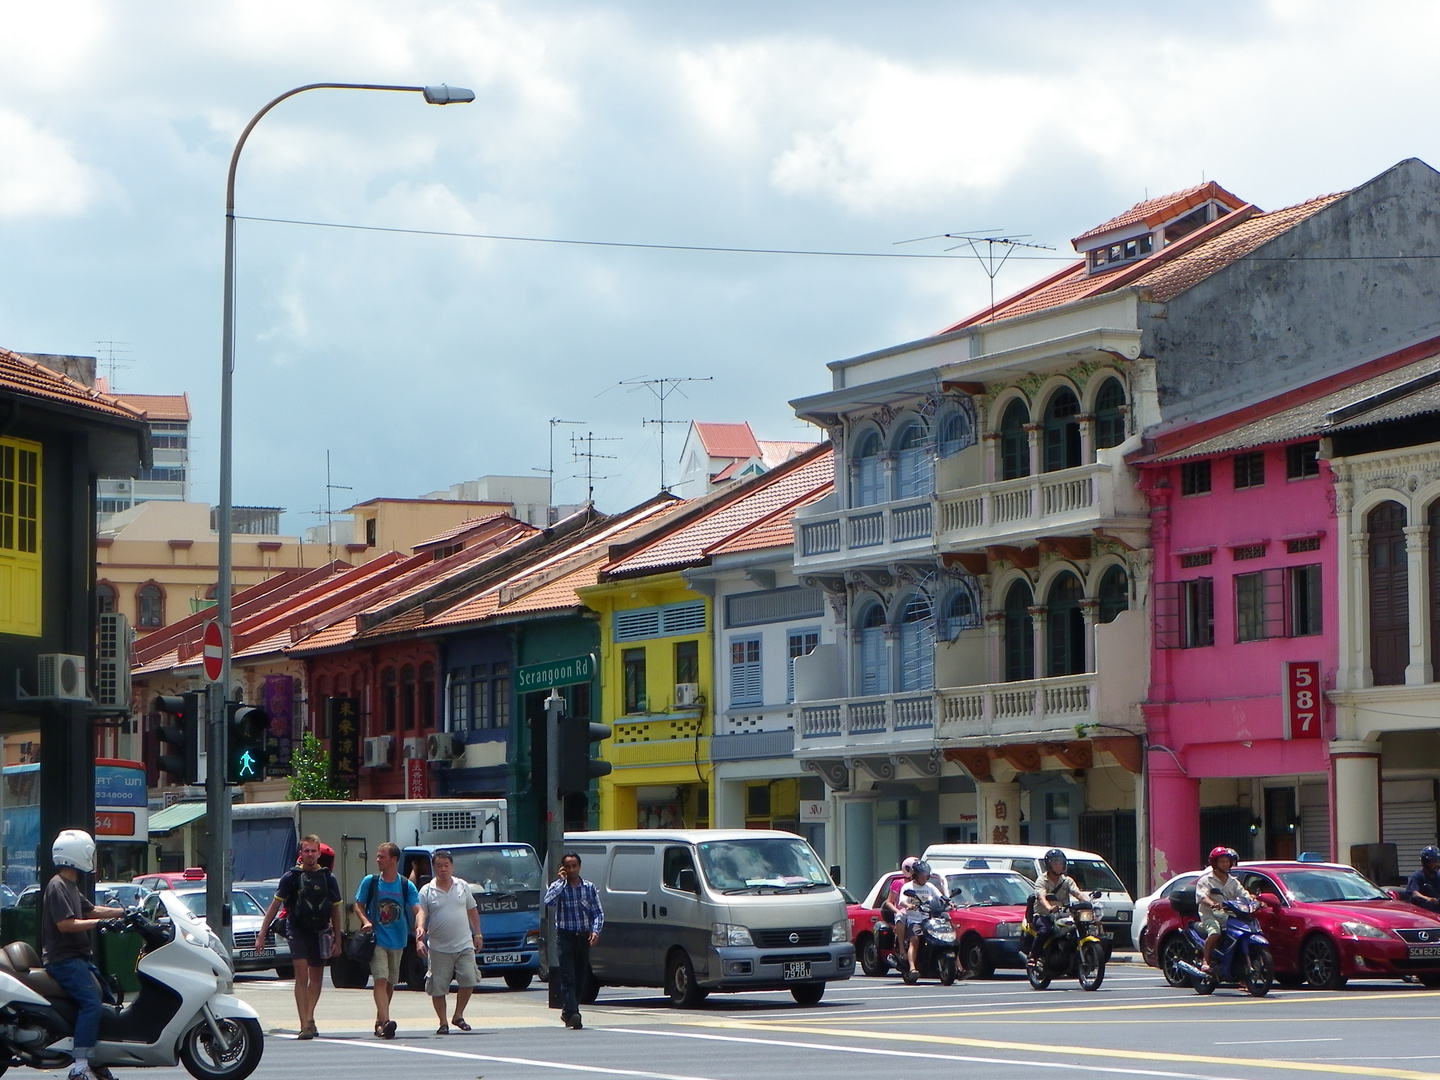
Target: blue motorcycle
(1241, 957)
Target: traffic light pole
(217, 817)
(554, 833)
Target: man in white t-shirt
(913, 898)
(448, 929)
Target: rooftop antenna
(110, 353)
(550, 472)
(328, 513)
(987, 261)
(662, 388)
(588, 441)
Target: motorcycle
(184, 1013)
(1076, 948)
(1241, 957)
(938, 954)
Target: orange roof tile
(158, 406)
(775, 531)
(21, 375)
(728, 440)
(1152, 212)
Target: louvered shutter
(874, 663)
(746, 686)
(917, 655)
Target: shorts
(445, 966)
(385, 964)
(311, 946)
(912, 919)
(1213, 924)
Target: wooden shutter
(1389, 595)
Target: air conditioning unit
(379, 751)
(413, 747)
(687, 693)
(62, 675)
(112, 661)
(443, 747)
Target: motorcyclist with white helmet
(890, 907)
(914, 896)
(66, 919)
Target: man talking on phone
(578, 921)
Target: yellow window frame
(20, 537)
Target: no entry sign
(214, 642)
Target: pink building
(1245, 627)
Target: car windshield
(261, 891)
(240, 904)
(507, 869)
(770, 863)
(988, 890)
(1094, 874)
(1325, 886)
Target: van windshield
(1092, 874)
(769, 864)
(509, 868)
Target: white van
(1089, 870)
(714, 909)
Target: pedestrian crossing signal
(245, 743)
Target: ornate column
(1087, 438)
(1417, 552)
(992, 456)
(1037, 623)
(1359, 626)
(1090, 612)
(1032, 432)
(995, 645)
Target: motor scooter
(185, 1011)
(938, 954)
(1075, 948)
(1241, 957)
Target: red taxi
(1326, 925)
(990, 908)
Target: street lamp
(218, 809)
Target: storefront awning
(172, 817)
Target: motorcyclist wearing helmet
(890, 908)
(1211, 892)
(1054, 890)
(66, 919)
(914, 897)
(1424, 884)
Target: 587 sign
(1304, 699)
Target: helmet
(74, 848)
(909, 864)
(1226, 853)
(1055, 853)
(920, 867)
(1430, 854)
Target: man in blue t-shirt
(388, 904)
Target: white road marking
(538, 1063)
(1267, 1042)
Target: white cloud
(39, 173)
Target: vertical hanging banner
(342, 720)
(1304, 699)
(417, 779)
(277, 698)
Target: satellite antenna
(990, 238)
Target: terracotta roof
(775, 531)
(776, 452)
(1152, 212)
(21, 375)
(459, 530)
(756, 498)
(728, 440)
(158, 406)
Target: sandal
(443, 1029)
(460, 1023)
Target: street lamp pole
(217, 817)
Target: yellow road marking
(1031, 1047)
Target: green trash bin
(21, 924)
(117, 956)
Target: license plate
(800, 969)
(501, 958)
(1108, 935)
(251, 954)
(1425, 952)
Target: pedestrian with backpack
(311, 896)
(388, 906)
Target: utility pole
(220, 858)
(550, 472)
(662, 388)
(554, 833)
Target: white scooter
(185, 1011)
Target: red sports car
(990, 907)
(1326, 924)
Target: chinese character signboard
(1303, 709)
(277, 698)
(416, 780)
(342, 715)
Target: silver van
(714, 909)
(1090, 871)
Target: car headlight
(1363, 930)
(1007, 929)
(722, 934)
(840, 931)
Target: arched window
(917, 645)
(1114, 593)
(874, 659)
(1064, 627)
(914, 465)
(868, 475)
(1014, 441)
(959, 613)
(106, 598)
(1062, 432)
(407, 696)
(1389, 595)
(387, 698)
(150, 606)
(427, 695)
(956, 434)
(1110, 414)
(1019, 634)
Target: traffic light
(182, 735)
(577, 767)
(244, 743)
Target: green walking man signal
(245, 727)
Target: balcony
(907, 723)
(826, 537)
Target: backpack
(310, 908)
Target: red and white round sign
(214, 642)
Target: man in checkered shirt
(578, 920)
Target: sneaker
(388, 1029)
(574, 1022)
(81, 1071)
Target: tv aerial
(991, 238)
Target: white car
(1142, 906)
(245, 918)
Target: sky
(423, 358)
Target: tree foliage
(310, 772)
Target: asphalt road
(1134, 1026)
